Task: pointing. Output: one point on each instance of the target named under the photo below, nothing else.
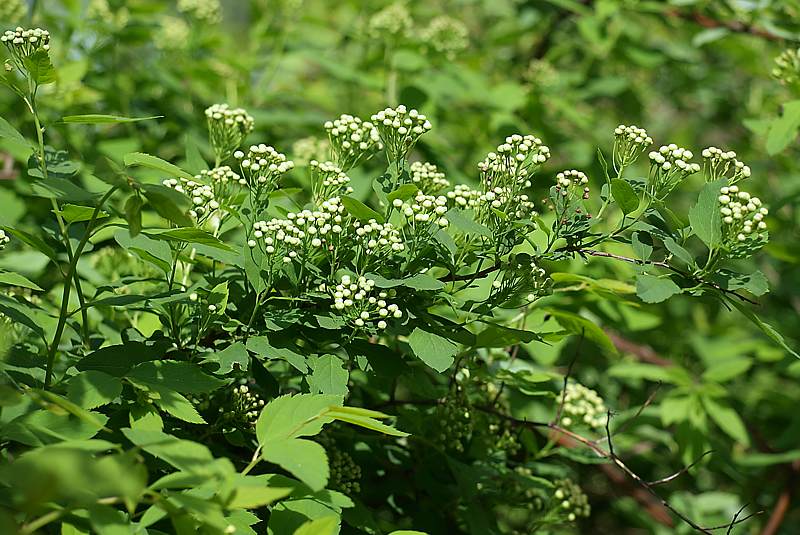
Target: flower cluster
(22, 42)
(376, 241)
(668, 167)
(570, 181)
(309, 148)
(399, 129)
(517, 206)
(224, 180)
(328, 180)
(446, 36)
(521, 280)
(352, 140)
(629, 143)
(723, 164)
(582, 406)
(13, 10)
(345, 474)
(428, 178)
(299, 234)
(392, 23)
(227, 128)
(513, 162)
(464, 196)
(356, 300)
(571, 500)
(204, 203)
(424, 209)
(262, 167)
(245, 406)
(454, 423)
(100, 11)
(173, 34)
(787, 67)
(743, 227)
(4, 239)
(204, 10)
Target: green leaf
(652, 289)
(625, 195)
(755, 283)
(233, 355)
(783, 130)
(261, 345)
(404, 192)
(304, 459)
(133, 214)
(91, 389)
(39, 67)
(170, 204)
(464, 221)
(364, 421)
(705, 217)
(9, 132)
(679, 252)
(182, 377)
(421, 281)
(727, 369)
(581, 326)
(768, 459)
(765, 327)
(359, 210)
(73, 213)
(169, 400)
(432, 349)
(194, 159)
(153, 162)
(329, 376)
(728, 420)
(15, 279)
(328, 525)
(34, 241)
(295, 416)
(189, 235)
(501, 336)
(104, 119)
(253, 497)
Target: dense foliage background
(681, 374)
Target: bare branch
(679, 472)
(557, 419)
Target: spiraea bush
(349, 331)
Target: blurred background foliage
(696, 73)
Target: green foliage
(369, 333)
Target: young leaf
(133, 214)
(9, 132)
(15, 279)
(359, 210)
(624, 194)
(153, 162)
(705, 217)
(329, 376)
(40, 68)
(103, 119)
(432, 349)
(652, 289)
(783, 130)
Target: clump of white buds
(328, 180)
(570, 502)
(391, 23)
(209, 11)
(629, 143)
(582, 407)
(445, 35)
(428, 177)
(223, 180)
(352, 140)
(4, 239)
(227, 128)
(723, 164)
(787, 67)
(204, 203)
(464, 196)
(22, 43)
(262, 167)
(360, 303)
(669, 165)
(570, 181)
(310, 148)
(377, 241)
(423, 209)
(300, 234)
(518, 206)
(399, 129)
(743, 227)
(513, 163)
(245, 406)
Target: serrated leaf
(783, 130)
(728, 420)
(624, 195)
(304, 459)
(329, 376)
(652, 289)
(434, 350)
(39, 67)
(179, 376)
(92, 388)
(704, 216)
(154, 162)
(233, 355)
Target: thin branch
(734, 26)
(566, 378)
(468, 276)
(733, 522)
(680, 472)
(639, 412)
(608, 434)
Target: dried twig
(679, 472)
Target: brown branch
(7, 172)
(784, 501)
(734, 26)
(644, 353)
(680, 472)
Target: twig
(483, 272)
(646, 404)
(679, 472)
(733, 25)
(557, 419)
(733, 522)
